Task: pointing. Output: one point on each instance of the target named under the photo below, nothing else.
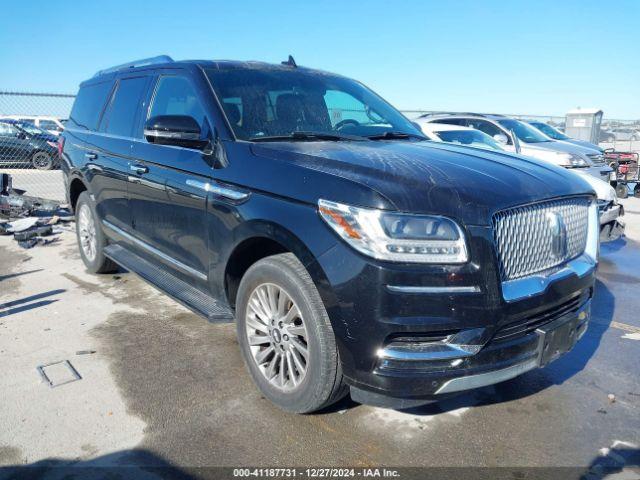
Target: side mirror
(417, 125)
(176, 130)
(501, 138)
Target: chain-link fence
(29, 127)
(31, 122)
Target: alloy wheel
(277, 336)
(87, 232)
(41, 160)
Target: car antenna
(290, 62)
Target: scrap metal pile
(32, 221)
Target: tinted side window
(450, 121)
(176, 96)
(120, 115)
(484, 126)
(88, 105)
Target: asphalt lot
(162, 387)
(38, 183)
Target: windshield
(272, 102)
(525, 133)
(549, 131)
(470, 138)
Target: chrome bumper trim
(520, 288)
(411, 289)
(463, 344)
(489, 378)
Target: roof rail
(475, 114)
(136, 63)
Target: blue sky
(535, 57)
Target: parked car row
(353, 254)
(52, 125)
(534, 140)
(24, 144)
(620, 134)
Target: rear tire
(91, 239)
(285, 336)
(621, 190)
(42, 160)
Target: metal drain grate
(59, 373)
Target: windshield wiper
(395, 136)
(307, 137)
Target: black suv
(351, 252)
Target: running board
(192, 298)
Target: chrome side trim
(179, 265)
(411, 289)
(520, 288)
(489, 378)
(226, 192)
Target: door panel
(107, 169)
(168, 202)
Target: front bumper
(611, 224)
(449, 329)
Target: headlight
(396, 237)
(571, 160)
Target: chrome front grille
(538, 237)
(596, 158)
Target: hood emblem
(558, 231)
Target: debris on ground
(33, 218)
(611, 397)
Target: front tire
(91, 239)
(285, 336)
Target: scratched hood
(427, 177)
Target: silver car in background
(555, 134)
(520, 137)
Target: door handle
(139, 169)
(90, 156)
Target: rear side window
(450, 121)
(484, 126)
(88, 105)
(120, 116)
(176, 96)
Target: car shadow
(124, 464)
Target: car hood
(421, 177)
(603, 190)
(557, 146)
(585, 144)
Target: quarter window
(176, 96)
(88, 105)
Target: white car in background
(468, 137)
(52, 125)
(611, 224)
